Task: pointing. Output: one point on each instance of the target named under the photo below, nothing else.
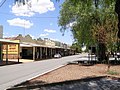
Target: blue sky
(39, 19)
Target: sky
(38, 19)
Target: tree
(93, 21)
(21, 1)
(76, 47)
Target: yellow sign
(12, 49)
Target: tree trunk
(101, 52)
(101, 44)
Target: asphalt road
(14, 74)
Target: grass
(111, 72)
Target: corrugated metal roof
(27, 44)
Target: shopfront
(10, 49)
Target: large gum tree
(91, 22)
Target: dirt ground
(72, 72)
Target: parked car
(57, 55)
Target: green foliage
(89, 17)
(76, 47)
(112, 72)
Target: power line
(23, 16)
(2, 3)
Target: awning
(9, 41)
(25, 45)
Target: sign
(12, 49)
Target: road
(14, 74)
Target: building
(37, 49)
(10, 49)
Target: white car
(57, 56)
